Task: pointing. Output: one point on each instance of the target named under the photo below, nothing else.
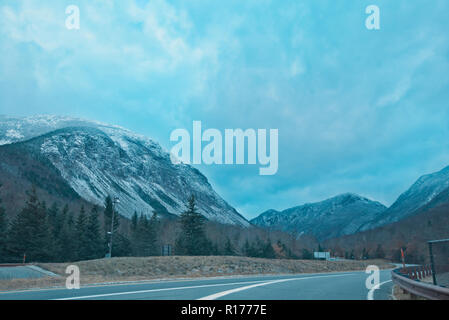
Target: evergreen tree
(64, 215)
(192, 240)
(3, 233)
(53, 216)
(152, 238)
(121, 246)
(30, 232)
(380, 254)
(138, 225)
(365, 254)
(82, 245)
(68, 237)
(144, 236)
(352, 255)
(214, 250)
(258, 248)
(247, 249)
(134, 221)
(268, 251)
(95, 245)
(306, 254)
(229, 248)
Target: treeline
(43, 234)
(56, 234)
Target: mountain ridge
(333, 217)
(428, 191)
(421, 194)
(97, 160)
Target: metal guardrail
(409, 280)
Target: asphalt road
(322, 286)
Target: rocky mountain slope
(340, 215)
(348, 214)
(430, 222)
(428, 191)
(92, 160)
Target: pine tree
(306, 254)
(68, 236)
(192, 240)
(134, 221)
(144, 236)
(258, 248)
(214, 250)
(247, 249)
(82, 246)
(365, 254)
(137, 231)
(229, 248)
(95, 245)
(122, 246)
(3, 233)
(30, 232)
(54, 220)
(380, 254)
(268, 251)
(153, 226)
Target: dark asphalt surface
(322, 286)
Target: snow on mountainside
(334, 217)
(97, 160)
(430, 189)
(15, 129)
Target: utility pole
(115, 201)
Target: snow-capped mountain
(334, 217)
(97, 160)
(15, 129)
(428, 191)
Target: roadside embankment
(175, 267)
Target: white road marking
(156, 290)
(225, 293)
(263, 282)
(370, 295)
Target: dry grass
(18, 284)
(151, 268)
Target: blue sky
(357, 110)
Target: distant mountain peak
(340, 215)
(428, 190)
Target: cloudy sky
(363, 111)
